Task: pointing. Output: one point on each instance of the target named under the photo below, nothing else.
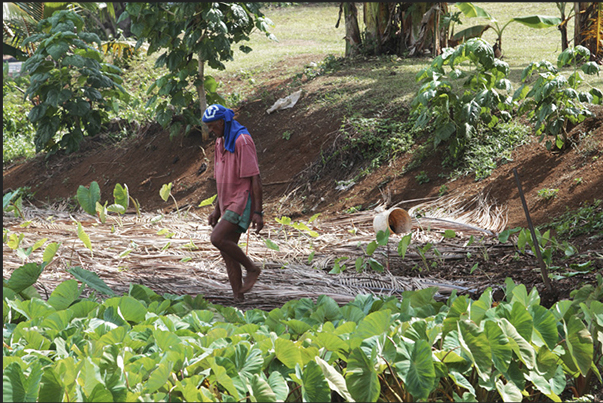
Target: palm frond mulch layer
(172, 253)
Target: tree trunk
(376, 20)
(352, 32)
(202, 98)
(580, 20)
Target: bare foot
(239, 297)
(250, 279)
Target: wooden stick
(543, 269)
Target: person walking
(239, 188)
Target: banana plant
(472, 11)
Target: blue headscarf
(232, 128)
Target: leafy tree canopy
(192, 35)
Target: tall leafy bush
(71, 86)
(463, 90)
(191, 36)
(554, 101)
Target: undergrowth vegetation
(153, 347)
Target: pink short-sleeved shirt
(233, 172)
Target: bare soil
(293, 186)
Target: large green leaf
(24, 276)
(545, 325)
(287, 352)
(474, 343)
(508, 392)
(279, 386)
(261, 390)
(132, 310)
(499, 346)
(64, 294)
(50, 251)
(373, 324)
(579, 343)
(88, 197)
(51, 387)
(121, 195)
(314, 385)
(420, 379)
(91, 279)
(335, 380)
(471, 10)
(523, 349)
(13, 389)
(361, 378)
(158, 377)
(538, 21)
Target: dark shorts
(242, 221)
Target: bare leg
(233, 268)
(225, 237)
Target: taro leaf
(51, 387)
(545, 325)
(158, 377)
(361, 378)
(524, 350)
(509, 392)
(64, 295)
(504, 236)
(474, 343)
(248, 362)
(261, 390)
(271, 245)
(521, 319)
(121, 195)
(88, 197)
(374, 324)
(279, 386)
(403, 245)
(14, 384)
(7, 198)
(499, 346)
(449, 233)
(25, 276)
(421, 373)
(382, 237)
(287, 352)
(91, 279)
(224, 379)
(50, 251)
(100, 393)
(208, 201)
(579, 343)
(314, 385)
(81, 234)
(116, 208)
(335, 380)
(375, 265)
(165, 191)
(133, 310)
(370, 248)
(101, 211)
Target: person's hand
(257, 222)
(213, 218)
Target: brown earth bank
(294, 187)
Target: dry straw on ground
(173, 253)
